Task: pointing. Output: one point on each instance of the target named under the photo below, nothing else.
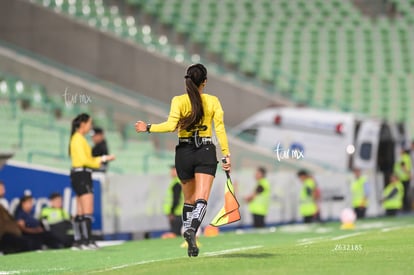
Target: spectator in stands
(173, 204)
(81, 179)
(57, 220)
(308, 197)
(11, 239)
(393, 195)
(360, 193)
(402, 169)
(259, 200)
(100, 147)
(32, 228)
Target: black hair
(302, 173)
(22, 199)
(25, 198)
(54, 195)
(76, 122)
(262, 170)
(196, 75)
(98, 130)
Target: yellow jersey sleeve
(218, 119)
(81, 153)
(171, 124)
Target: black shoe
(190, 237)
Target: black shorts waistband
(81, 169)
(196, 140)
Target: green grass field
(376, 246)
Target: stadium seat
(34, 133)
(290, 44)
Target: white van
(335, 140)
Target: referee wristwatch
(148, 128)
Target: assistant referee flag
(229, 213)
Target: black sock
(186, 215)
(77, 228)
(87, 228)
(198, 214)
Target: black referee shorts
(190, 160)
(81, 182)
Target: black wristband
(148, 128)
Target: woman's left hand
(140, 126)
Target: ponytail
(196, 75)
(76, 122)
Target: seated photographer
(57, 219)
(32, 228)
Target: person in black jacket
(100, 148)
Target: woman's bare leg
(188, 187)
(203, 183)
(86, 203)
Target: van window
(248, 135)
(366, 151)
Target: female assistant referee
(195, 159)
(81, 180)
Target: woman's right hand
(140, 126)
(227, 164)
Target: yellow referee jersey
(181, 107)
(81, 153)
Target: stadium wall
(41, 182)
(139, 200)
(134, 204)
(77, 45)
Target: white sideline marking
(30, 271)
(391, 228)
(131, 264)
(387, 229)
(307, 241)
(347, 236)
(374, 225)
(207, 254)
(109, 243)
(226, 251)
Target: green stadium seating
(322, 52)
(35, 135)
